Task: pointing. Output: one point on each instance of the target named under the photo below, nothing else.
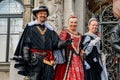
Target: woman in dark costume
(91, 44)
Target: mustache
(43, 16)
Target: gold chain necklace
(42, 31)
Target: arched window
(11, 7)
(11, 22)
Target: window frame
(7, 34)
(8, 17)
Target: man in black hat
(34, 53)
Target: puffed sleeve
(64, 35)
(87, 45)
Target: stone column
(76, 7)
(68, 10)
(27, 15)
(79, 9)
(56, 14)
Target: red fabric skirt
(60, 71)
(75, 71)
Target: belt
(47, 53)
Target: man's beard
(43, 19)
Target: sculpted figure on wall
(41, 1)
(56, 14)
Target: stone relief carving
(56, 14)
(57, 1)
(41, 1)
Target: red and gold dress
(72, 69)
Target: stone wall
(4, 75)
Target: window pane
(16, 25)
(13, 43)
(15, 31)
(11, 7)
(2, 48)
(3, 25)
(3, 36)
